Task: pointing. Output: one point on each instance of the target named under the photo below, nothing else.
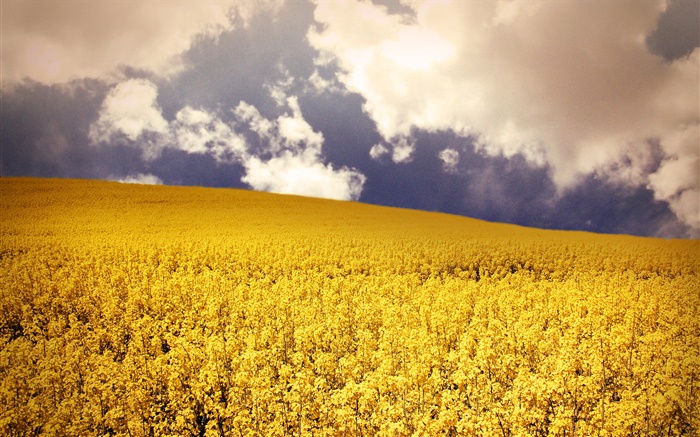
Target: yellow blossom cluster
(132, 310)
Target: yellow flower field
(133, 310)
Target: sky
(569, 114)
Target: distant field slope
(134, 310)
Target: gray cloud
(677, 32)
(513, 190)
(44, 129)
(129, 111)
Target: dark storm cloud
(44, 129)
(481, 186)
(510, 190)
(599, 206)
(349, 132)
(678, 31)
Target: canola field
(130, 310)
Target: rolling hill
(153, 310)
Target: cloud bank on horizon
(569, 114)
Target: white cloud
(677, 182)
(685, 206)
(296, 165)
(377, 151)
(319, 84)
(129, 110)
(56, 41)
(304, 175)
(403, 148)
(141, 178)
(382, 62)
(295, 131)
(278, 91)
(674, 177)
(250, 115)
(198, 131)
(292, 165)
(288, 131)
(415, 48)
(450, 159)
(570, 84)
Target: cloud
(378, 150)
(295, 131)
(199, 131)
(676, 182)
(678, 30)
(44, 133)
(288, 131)
(130, 113)
(570, 85)
(320, 84)
(302, 174)
(257, 102)
(250, 115)
(295, 165)
(287, 158)
(57, 41)
(450, 159)
(130, 110)
(403, 148)
(140, 178)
